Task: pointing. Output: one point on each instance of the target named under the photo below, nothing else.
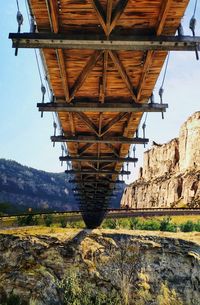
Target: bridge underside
(101, 91)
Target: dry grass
(68, 233)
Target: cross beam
(96, 181)
(93, 139)
(99, 172)
(142, 43)
(99, 107)
(100, 159)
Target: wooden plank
(54, 15)
(98, 107)
(108, 16)
(100, 14)
(83, 149)
(85, 72)
(123, 74)
(63, 72)
(91, 42)
(113, 149)
(93, 139)
(99, 172)
(104, 77)
(118, 11)
(88, 122)
(98, 159)
(159, 28)
(112, 122)
(71, 121)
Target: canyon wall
(170, 176)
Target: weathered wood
(108, 16)
(84, 73)
(83, 149)
(112, 122)
(159, 28)
(115, 43)
(88, 122)
(99, 172)
(92, 139)
(100, 14)
(123, 74)
(118, 11)
(98, 107)
(104, 77)
(98, 159)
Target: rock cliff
(31, 266)
(171, 172)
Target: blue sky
(25, 137)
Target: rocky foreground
(31, 266)
(170, 176)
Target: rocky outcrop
(32, 266)
(171, 172)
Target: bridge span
(102, 59)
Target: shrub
(167, 225)
(188, 226)
(77, 292)
(134, 223)
(63, 222)
(197, 226)
(28, 220)
(110, 224)
(150, 225)
(48, 220)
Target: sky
(25, 136)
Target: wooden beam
(63, 72)
(100, 14)
(96, 181)
(104, 77)
(98, 159)
(149, 58)
(85, 72)
(165, 6)
(112, 122)
(117, 43)
(98, 107)
(123, 74)
(108, 16)
(118, 11)
(99, 172)
(113, 149)
(88, 122)
(93, 139)
(71, 122)
(52, 8)
(83, 149)
(54, 15)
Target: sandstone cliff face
(30, 266)
(171, 172)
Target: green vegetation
(164, 224)
(48, 220)
(28, 220)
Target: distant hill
(23, 187)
